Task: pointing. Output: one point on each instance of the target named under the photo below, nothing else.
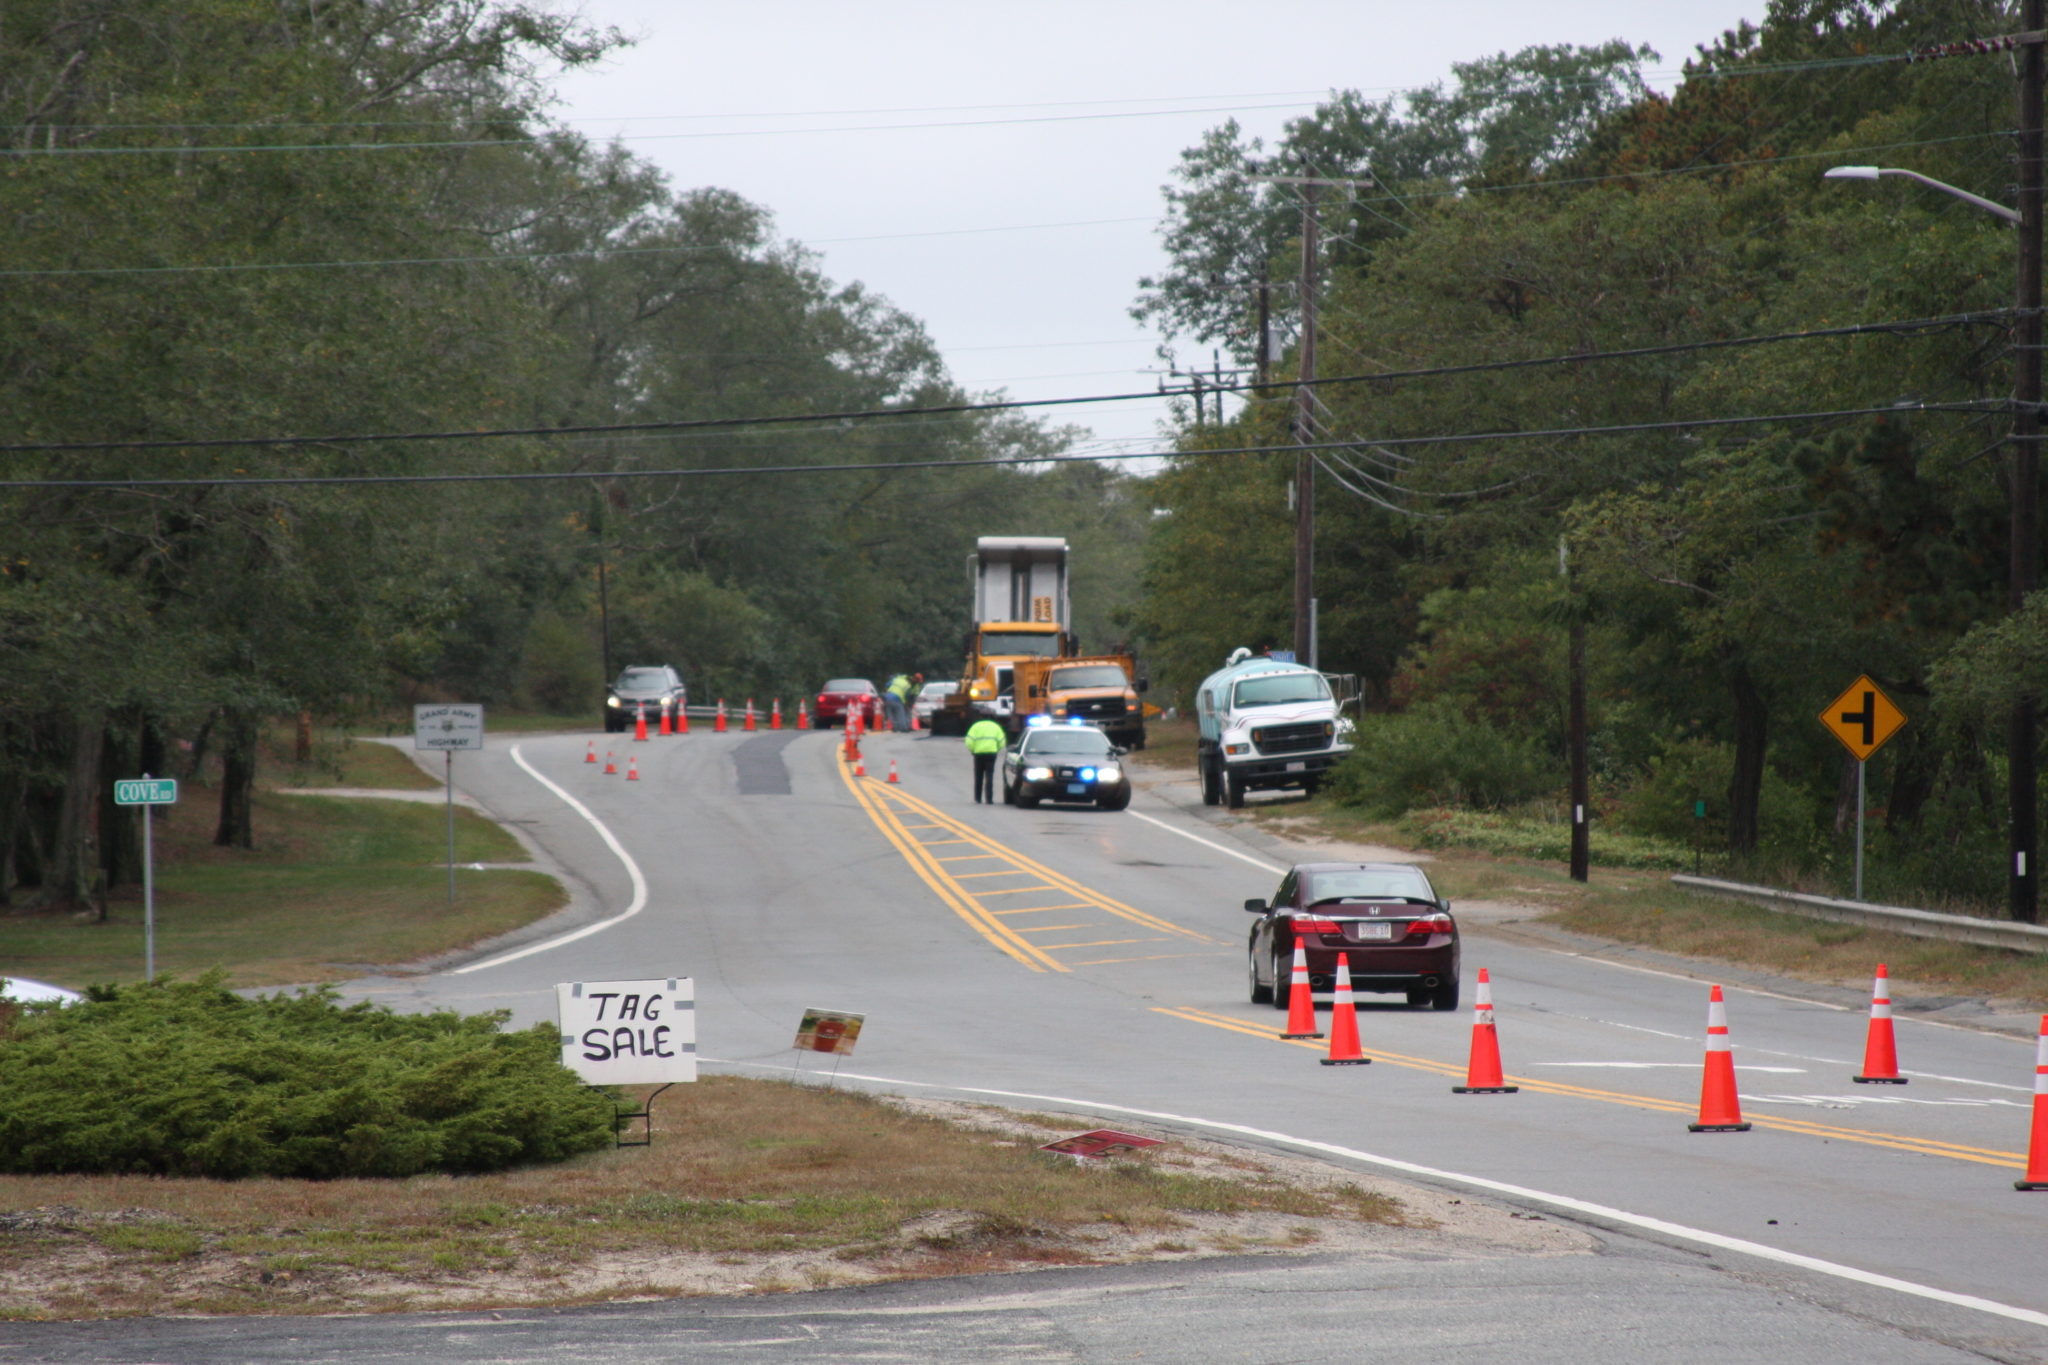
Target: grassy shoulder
(1630, 898)
(747, 1186)
(334, 886)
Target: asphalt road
(1094, 961)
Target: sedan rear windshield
(1091, 675)
(1380, 884)
(643, 680)
(1275, 689)
(1043, 644)
(848, 685)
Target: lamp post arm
(2010, 215)
(1873, 172)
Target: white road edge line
(639, 902)
(1207, 843)
(1678, 1231)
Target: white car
(927, 701)
(27, 992)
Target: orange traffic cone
(682, 718)
(1482, 1073)
(775, 715)
(609, 766)
(1344, 1022)
(1301, 1006)
(892, 770)
(860, 769)
(1880, 1050)
(640, 723)
(749, 725)
(1720, 1109)
(718, 726)
(803, 715)
(2037, 1144)
(590, 755)
(633, 769)
(666, 727)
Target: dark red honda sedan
(1385, 919)
(843, 697)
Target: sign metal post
(1862, 718)
(147, 792)
(448, 728)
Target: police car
(1071, 762)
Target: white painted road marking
(1659, 1226)
(639, 902)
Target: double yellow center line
(1013, 901)
(1925, 1146)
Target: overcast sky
(995, 171)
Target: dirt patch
(67, 1263)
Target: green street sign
(146, 791)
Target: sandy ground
(68, 1277)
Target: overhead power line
(1904, 326)
(868, 466)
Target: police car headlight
(1109, 773)
(611, 701)
(1038, 774)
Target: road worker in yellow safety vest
(985, 739)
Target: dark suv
(651, 685)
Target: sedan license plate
(1076, 788)
(1297, 766)
(1371, 929)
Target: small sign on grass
(1099, 1142)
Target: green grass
(332, 887)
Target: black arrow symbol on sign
(1867, 718)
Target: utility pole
(1304, 408)
(1575, 722)
(1304, 433)
(2023, 897)
(1265, 351)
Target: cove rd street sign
(146, 791)
(1863, 718)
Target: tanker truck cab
(1266, 724)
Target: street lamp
(2022, 886)
(1873, 172)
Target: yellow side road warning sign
(1863, 718)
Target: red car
(843, 697)
(1386, 920)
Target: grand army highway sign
(448, 727)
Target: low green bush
(1437, 757)
(1515, 835)
(189, 1079)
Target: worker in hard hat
(896, 697)
(985, 739)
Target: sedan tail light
(1429, 924)
(1317, 926)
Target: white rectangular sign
(455, 725)
(629, 1032)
